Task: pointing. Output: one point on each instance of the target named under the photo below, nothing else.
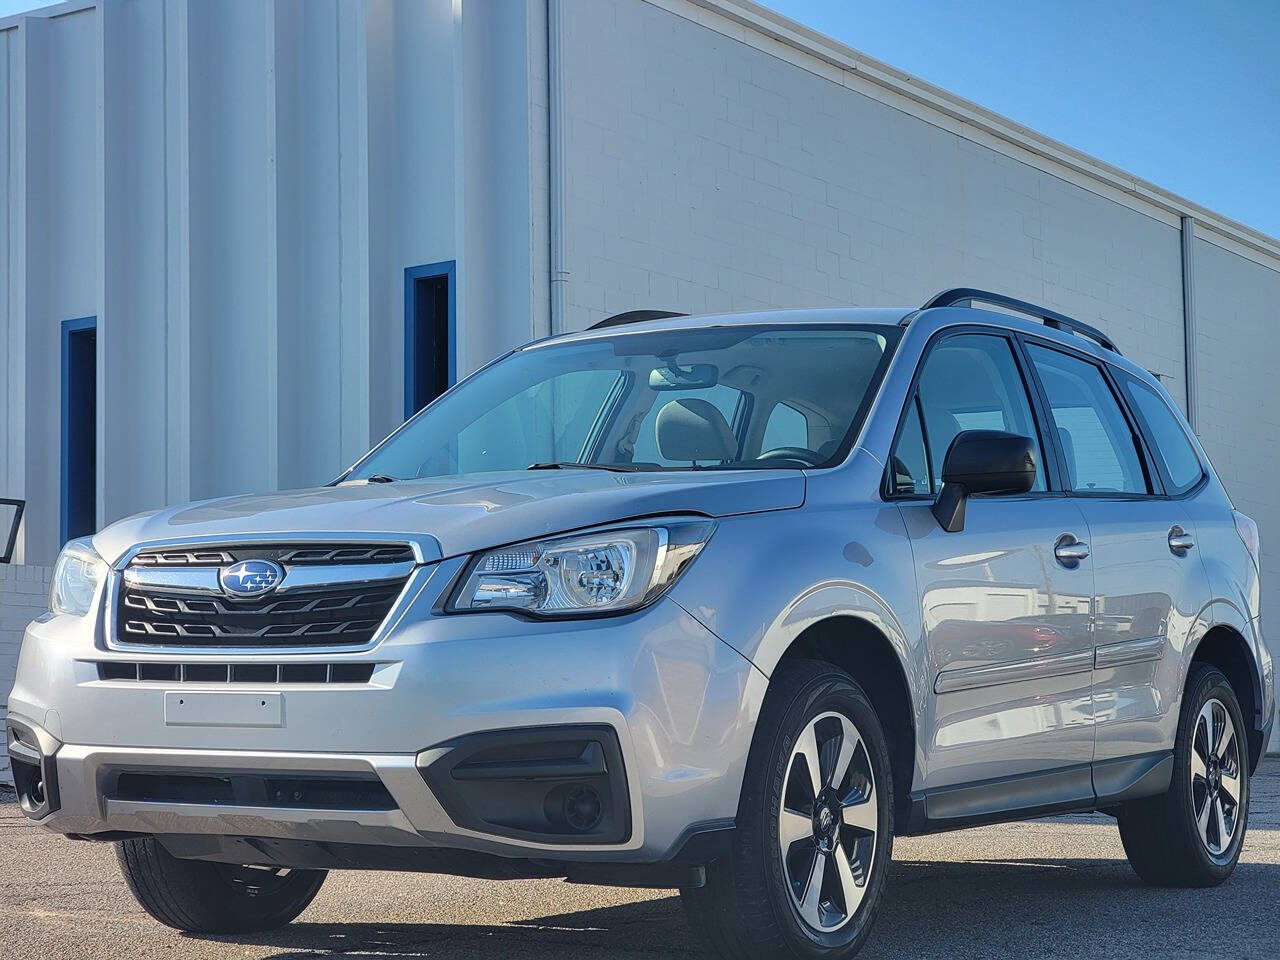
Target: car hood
(463, 514)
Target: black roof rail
(1051, 318)
(633, 316)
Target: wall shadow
(1025, 908)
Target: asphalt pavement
(1049, 888)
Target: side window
(723, 397)
(972, 382)
(787, 427)
(910, 463)
(1096, 440)
(1167, 437)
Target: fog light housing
(546, 784)
(578, 806)
(35, 774)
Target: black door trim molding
(1071, 789)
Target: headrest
(694, 430)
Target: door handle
(1069, 551)
(1180, 541)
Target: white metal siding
(705, 174)
(1237, 343)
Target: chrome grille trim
(344, 603)
(204, 579)
(283, 553)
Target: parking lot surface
(1050, 888)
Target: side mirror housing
(982, 462)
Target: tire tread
(1154, 831)
(733, 914)
(194, 896)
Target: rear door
(1150, 582)
(1006, 624)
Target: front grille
(236, 672)
(194, 613)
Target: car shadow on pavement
(1025, 908)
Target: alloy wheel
(828, 822)
(1215, 777)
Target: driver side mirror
(982, 462)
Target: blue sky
(1184, 93)
(10, 7)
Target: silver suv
(720, 603)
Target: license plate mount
(182, 709)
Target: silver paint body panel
(1015, 665)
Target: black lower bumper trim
(314, 792)
(35, 775)
(562, 784)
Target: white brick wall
(1238, 316)
(705, 174)
(24, 594)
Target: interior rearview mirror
(696, 376)
(982, 462)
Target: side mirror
(982, 462)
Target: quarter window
(1167, 436)
(969, 382)
(910, 464)
(1097, 442)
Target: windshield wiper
(573, 465)
(380, 478)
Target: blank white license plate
(223, 709)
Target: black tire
(1161, 835)
(745, 909)
(199, 896)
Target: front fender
(765, 579)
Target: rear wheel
(1191, 836)
(199, 896)
(814, 831)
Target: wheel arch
(1225, 646)
(864, 651)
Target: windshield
(694, 399)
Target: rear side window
(1093, 434)
(1181, 465)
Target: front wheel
(814, 830)
(1191, 836)
(199, 896)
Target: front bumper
(676, 700)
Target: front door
(1005, 617)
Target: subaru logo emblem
(249, 578)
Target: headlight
(604, 571)
(76, 578)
